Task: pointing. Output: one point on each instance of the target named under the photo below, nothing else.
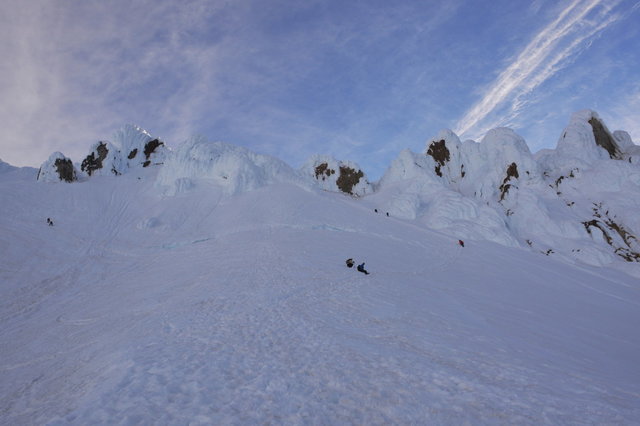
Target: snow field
(199, 308)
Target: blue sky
(359, 80)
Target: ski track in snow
(261, 322)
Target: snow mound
(6, 167)
(575, 202)
(446, 156)
(233, 168)
(57, 168)
(133, 148)
(586, 139)
(337, 176)
(497, 166)
(412, 189)
(138, 147)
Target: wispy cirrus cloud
(547, 53)
(280, 74)
(358, 80)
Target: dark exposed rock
(323, 171)
(604, 139)
(596, 224)
(149, 148)
(65, 170)
(440, 153)
(512, 172)
(607, 225)
(91, 163)
(348, 179)
(132, 154)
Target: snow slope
(207, 308)
(577, 203)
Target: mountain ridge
(225, 302)
(567, 202)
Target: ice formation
(233, 168)
(575, 202)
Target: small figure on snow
(49, 221)
(387, 214)
(461, 243)
(375, 210)
(350, 263)
(361, 269)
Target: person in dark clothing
(361, 269)
(350, 263)
(461, 243)
(49, 221)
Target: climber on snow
(461, 243)
(361, 269)
(49, 221)
(350, 263)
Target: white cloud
(75, 71)
(81, 69)
(547, 53)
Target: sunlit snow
(211, 288)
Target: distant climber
(461, 243)
(387, 214)
(375, 210)
(350, 263)
(49, 221)
(361, 269)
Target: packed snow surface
(204, 308)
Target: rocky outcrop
(65, 170)
(337, 176)
(441, 155)
(512, 172)
(348, 179)
(94, 161)
(323, 171)
(584, 141)
(622, 241)
(138, 148)
(57, 168)
(133, 148)
(151, 147)
(604, 139)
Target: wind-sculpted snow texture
(553, 203)
(576, 203)
(232, 168)
(206, 308)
